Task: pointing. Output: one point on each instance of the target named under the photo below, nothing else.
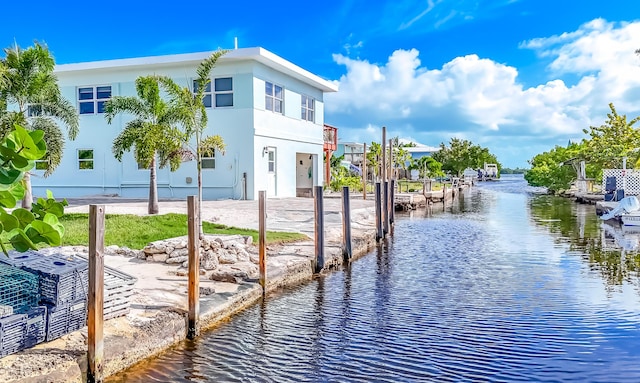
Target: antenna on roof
(235, 42)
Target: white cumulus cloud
(482, 100)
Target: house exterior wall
(246, 128)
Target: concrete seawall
(158, 308)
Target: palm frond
(124, 104)
(54, 139)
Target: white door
(271, 172)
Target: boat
(627, 211)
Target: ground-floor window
(85, 159)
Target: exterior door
(271, 172)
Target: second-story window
(273, 97)
(91, 99)
(207, 93)
(223, 88)
(308, 108)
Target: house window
(207, 93)
(209, 159)
(224, 91)
(91, 99)
(85, 159)
(42, 164)
(308, 108)
(273, 97)
(34, 110)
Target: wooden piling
(364, 171)
(95, 319)
(193, 247)
(385, 207)
(392, 199)
(319, 229)
(346, 224)
(379, 233)
(262, 239)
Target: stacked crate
(45, 296)
(63, 287)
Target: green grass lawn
(136, 232)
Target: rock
(185, 264)
(243, 255)
(225, 277)
(227, 240)
(177, 259)
(154, 249)
(226, 257)
(254, 257)
(142, 255)
(209, 260)
(179, 252)
(112, 249)
(162, 257)
(182, 244)
(248, 240)
(247, 270)
(169, 249)
(207, 291)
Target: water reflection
(606, 246)
(498, 285)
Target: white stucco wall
(246, 129)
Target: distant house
(419, 150)
(269, 112)
(352, 151)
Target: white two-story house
(269, 112)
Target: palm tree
(190, 103)
(28, 83)
(152, 132)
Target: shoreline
(152, 328)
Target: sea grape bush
(21, 228)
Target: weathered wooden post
(193, 247)
(385, 207)
(379, 233)
(364, 171)
(262, 239)
(319, 230)
(95, 302)
(346, 223)
(392, 198)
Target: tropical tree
(462, 154)
(28, 83)
(373, 157)
(402, 158)
(190, 103)
(611, 141)
(553, 169)
(152, 133)
(427, 167)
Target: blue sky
(516, 76)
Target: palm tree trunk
(153, 188)
(28, 194)
(200, 230)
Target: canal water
(502, 285)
